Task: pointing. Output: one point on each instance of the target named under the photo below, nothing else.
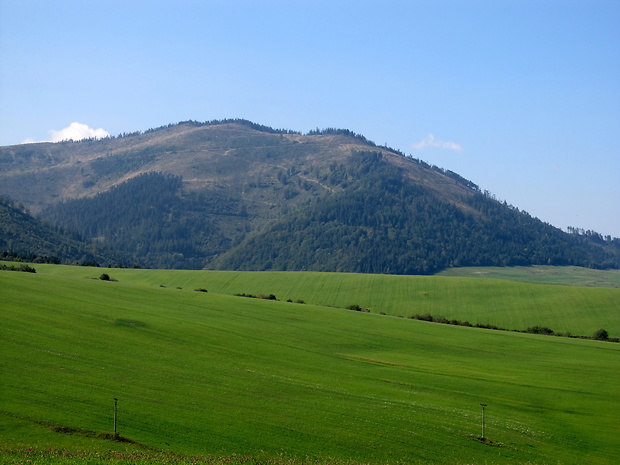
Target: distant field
(217, 375)
(572, 275)
(509, 304)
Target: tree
(601, 335)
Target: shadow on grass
(91, 434)
(487, 441)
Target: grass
(219, 377)
(571, 275)
(509, 304)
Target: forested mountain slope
(23, 238)
(383, 224)
(237, 195)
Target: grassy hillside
(503, 303)
(573, 275)
(207, 373)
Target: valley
(249, 295)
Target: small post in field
(115, 405)
(483, 406)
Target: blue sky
(521, 97)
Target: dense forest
(24, 238)
(151, 221)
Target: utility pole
(483, 406)
(115, 405)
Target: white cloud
(77, 131)
(430, 141)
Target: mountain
(24, 238)
(237, 195)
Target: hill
(237, 195)
(23, 238)
(508, 304)
(279, 382)
(576, 276)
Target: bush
(601, 335)
(539, 330)
(251, 296)
(105, 277)
(201, 289)
(22, 267)
(357, 308)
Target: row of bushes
(259, 296)
(357, 308)
(21, 267)
(599, 334)
(267, 297)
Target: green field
(509, 304)
(214, 375)
(573, 275)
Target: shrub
(251, 296)
(105, 277)
(267, 297)
(201, 289)
(539, 330)
(601, 335)
(355, 307)
(489, 326)
(22, 267)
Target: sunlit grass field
(572, 275)
(509, 304)
(257, 381)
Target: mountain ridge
(224, 193)
(63, 156)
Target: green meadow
(214, 378)
(573, 275)
(506, 303)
